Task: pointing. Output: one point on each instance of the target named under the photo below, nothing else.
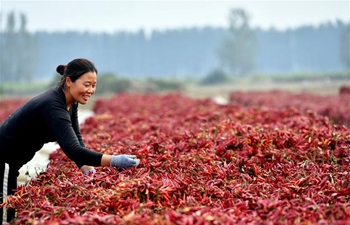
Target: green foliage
(303, 76)
(22, 89)
(22, 51)
(238, 50)
(345, 47)
(55, 80)
(214, 77)
(158, 85)
(110, 83)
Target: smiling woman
(52, 116)
(78, 81)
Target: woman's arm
(122, 161)
(75, 123)
(76, 128)
(59, 121)
(105, 161)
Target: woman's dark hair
(74, 69)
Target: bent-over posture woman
(48, 117)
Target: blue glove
(89, 171)
(124, 161)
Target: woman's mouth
(86, 97)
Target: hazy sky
(132, 15)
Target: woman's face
(82, 89)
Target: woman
(52, 116)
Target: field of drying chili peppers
(335, 107)
(201, 163)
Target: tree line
(19, 50)
(190, 53)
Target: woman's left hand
(87, 169)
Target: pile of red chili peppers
(335, 107)
(201, 163)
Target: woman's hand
(124, 161)
(87, 169)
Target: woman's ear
(68, 81)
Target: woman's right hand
(124, 161)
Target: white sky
(132, 15)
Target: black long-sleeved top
(43, 119)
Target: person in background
(52, 116)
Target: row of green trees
(19, 50)
(237, 53)
(345, 47)
(238, 50)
